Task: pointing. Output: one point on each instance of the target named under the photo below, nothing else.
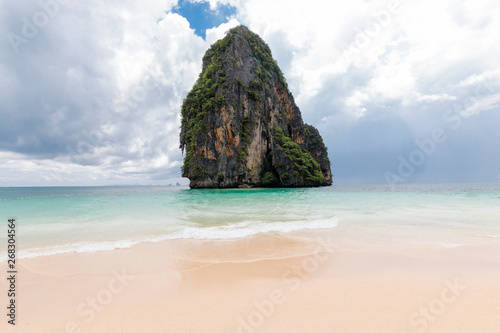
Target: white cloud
(102, 84)
(477, 105)
(356, 103)
(434, 97)
(489, 79)
(219, 32)
(399, 49)
(123, 72)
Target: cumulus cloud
(100, 87)
(92, 90)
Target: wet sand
(303, 282)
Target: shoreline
(349, 235)
(261, 284)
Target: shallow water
(54, 220)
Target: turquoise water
(84, 219)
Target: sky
(401, 91)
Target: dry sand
(271, 283)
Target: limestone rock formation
(240, 124)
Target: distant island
(240, 124)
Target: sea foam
(250, 228)
(228, 231)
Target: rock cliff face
(240, 124)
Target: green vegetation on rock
(303, 165)
(203, 98)
(270, 179)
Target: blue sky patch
(201, 17)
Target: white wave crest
(250, 228)
(232, 231)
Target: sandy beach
(304, 282)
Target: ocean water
(52, 220)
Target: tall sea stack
(240, 125)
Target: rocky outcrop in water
(241, 126)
